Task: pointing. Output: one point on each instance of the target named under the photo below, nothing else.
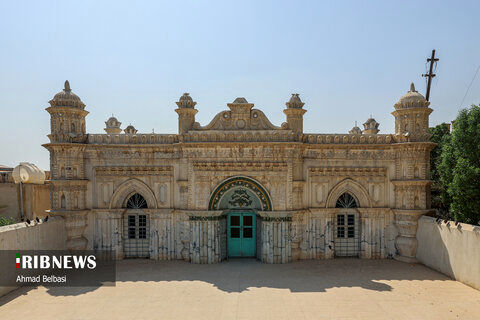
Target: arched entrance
(241, 198)
(136, 227)
(346, 226)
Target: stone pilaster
(186, 119)
(75, 223)
(295, 119)
(406, 242)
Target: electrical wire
(471, 82)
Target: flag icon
(17, 260)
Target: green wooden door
(241, 234)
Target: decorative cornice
(348, 171)
(65, 185)
(140, 138)
(133, 170)
(413, 182)
(240, 165)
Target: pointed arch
(129, 188)
(346, 200)
(353, 188)
(63, 202)
(240, 181)
(136, 201)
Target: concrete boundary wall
(50, 235)
(451, 249)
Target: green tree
(440, 200)
(459, 168)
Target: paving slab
(249, 289)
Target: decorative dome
(371, 126)
(113, 125)
(412, 99)
(355, 130)
(295, 101)
(130, 129)
(240, 100)
(112, 122)
(67, 98)
(186, 101)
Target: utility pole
(430, 75)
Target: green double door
(241, 234)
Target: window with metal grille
(131, 227)
(142, 226)
(351, 226)
(136, 201)
(345, 227)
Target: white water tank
(28, 173)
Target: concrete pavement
(248, 289)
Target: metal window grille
(136, 201)
(136, 240)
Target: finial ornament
(412, 87)
(67, 86)
(295, 101)
(186, 101)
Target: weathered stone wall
(50, 235)
(10, 201)
(451, 249)
(206, 241)
(275, 241)
(36, 200)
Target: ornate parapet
(314, 138)
(137, 138)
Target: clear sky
(347, 59)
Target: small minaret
(113, 126)
(411, 117)
(67, 117)
(68, 184)
(355, 129)
(412, 170)
(294, 113)
(130, 130)
(186, 113)
(371, 126)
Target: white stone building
(241, 186)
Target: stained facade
(240, 185)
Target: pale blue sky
(347, 59)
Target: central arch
(240, 189)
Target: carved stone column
(75, 224)
(406, 242)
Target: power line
(471, 82)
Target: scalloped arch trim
(249, 183)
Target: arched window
(136, 201)
(63, 202)
(346, 200)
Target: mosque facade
(241, 186)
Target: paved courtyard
(248, 289)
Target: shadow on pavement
(238, 275)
